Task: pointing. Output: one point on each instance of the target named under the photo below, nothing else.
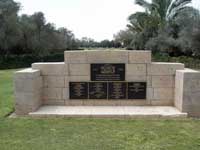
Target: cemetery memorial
(117, 78)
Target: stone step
(109, 112)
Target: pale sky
(97, 19)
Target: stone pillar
(28, 89)
(187, 91)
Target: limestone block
(162, 102)
(136, 69)
(75, 57)
(27, 74)
(149, 81)
(52, 93)
(192, 110)
(27, 102)
(78, 78)
(191, 85)
(164, 68)
(150, 92)
(51, 68)
(191, 98)
(134, 78)
(139, 56)
(163, 81)
(79, 69)
(65, 93)
(28, 98)
(74, 102)
(98, 56)
(88, 102)
(163, 93)
(54, 102)
(118, 56)
(54, 81)
(23, 110)
(107, 102)
(107, 56)
(179, 89)
(134, 103)
(187, 91)
(28, 84)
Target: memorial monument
(107, 78)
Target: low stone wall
(55, 78)
(159, 76)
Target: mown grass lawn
(91, 134)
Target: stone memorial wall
(106, 78)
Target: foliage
(22, 61)
(30, 34)
(190, 62)
(9, 27)
(91, 43)
(169, 26)
(124, 37)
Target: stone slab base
(109, 112)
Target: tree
(157, 14)
(164, 10)
(9, 26)
(124, 37)
(66, 38)
(28, 30)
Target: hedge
(23, 61)
(190, 62)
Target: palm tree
(165, 9)
(157, 13)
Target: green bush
(189, 62)
(23, 61)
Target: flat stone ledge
(161, 68)
(57, 69)
(28, 73)
(109, 112)
(107, 56)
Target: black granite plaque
(78, 90)
(117, 90)
(137, 90)
(108, 72)
(98, 90)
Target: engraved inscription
(98, 90)
(107, 72)
(108, 90)
(78, 90)
(117, 90)
(137, 90)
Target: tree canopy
(164, 26)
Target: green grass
(91, 134)
(6, 92)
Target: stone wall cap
(166, 63)
(48, 63)
(100, 50)
(27, 73)
(140, 51)
(28, 70)
(188, 70)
